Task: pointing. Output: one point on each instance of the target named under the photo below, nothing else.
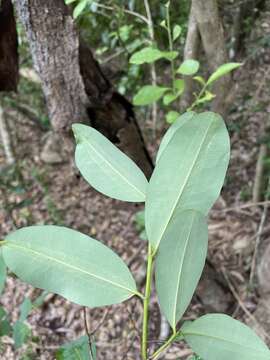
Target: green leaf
(150, 55)
(218, 336)
(67, 2)
(5, 328)
(70, 264)
(223, 70)
(75, 350)
(172, 129)
(172, 116)
(3, 273)
(79, 8)
(170, 55)
(176, 32)
(149, 94)
(106, 168)
(146, 55)
(199, 149)
(163, 24)
(200, 80)
(25, 308)
(21, 333)
(169, 98)
(179, 85)
(207, 97)
(180, 261)
(188, 67)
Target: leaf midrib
(180, 270)
(113, 168)
(222, 340)
(52, 259)
(184, 184)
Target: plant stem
(165, 345)
(146, 302)
(170, 45)
(192, 106)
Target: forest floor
(56, 194)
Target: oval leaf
(176, 32)
(172, 129)
(79, 8)
(172, 116)
(149, 94)
(107, 168)
(189, 173)
(223, 70)
(180, 261)
(188, 67)
(146, 55)
(218, 336)
(70, 264)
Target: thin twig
(6, 141)
(258, 236)
(245, 206)
(130, 12)
(100, 323)
(87, 330)
(153, 66)
(242, 305)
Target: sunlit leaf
(172, 116)
(199, 149)
(79, 8)
(149, 94)
(180, 261)
(70, 264)
(176, 32)
(188, 67)
(223, 70)
(218, 336)
(146, 55)
(106, 168)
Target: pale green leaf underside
(189, 67)
(218, 336)
(172, 129)
(70, 264)
(180, 261)
(189, 173)
(106, 168)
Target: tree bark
(212, 35)
(191, 51)
(74, 85)
(9, 69)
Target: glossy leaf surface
(190, 171)
(107, 168)
(218, 336)
(70, 264)
(180, 261)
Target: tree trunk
(74, 86)
(9, 69)
(191, 51)
(212, 35)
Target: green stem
(146, 302)
(171, 46)
(165, 345)
(192, 106)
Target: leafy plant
(190, 169)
